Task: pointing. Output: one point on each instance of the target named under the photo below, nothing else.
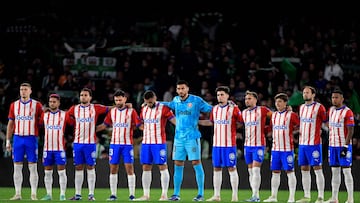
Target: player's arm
(173, 120)
(205, 123)
(100, 127)
(9, 133)
(10, 127)
(107, 123)
(349, 123)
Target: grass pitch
(101, 194)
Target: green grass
(101, 194)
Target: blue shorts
(84, 154)
(336, 160)
(187, 148)
(153, 154)
(254, 154)
(117, 151)
(54, 157)
(224, 157)
(310, 155)
(282, 161)
(25, 145)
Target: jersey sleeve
(204, 106)
(41, 121)
(11, 115)
(108, 120)
(168, 114)
(135, 118)
(295, 119)
(101, 109)
(349, 118)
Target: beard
(307, 99)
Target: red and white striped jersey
(26, 116)
(339, 120)
(54, 127)
(282, 125)
(154, 120)
(224, 119)
(85, 121)
(311, 118)
(123, 122)
(254, 120)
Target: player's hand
(344, 151)
(232, 103)
(8, 146)
(289, 108)
(129, 105)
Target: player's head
(281, 100)
(222, 94)
(85, 96)
(120, 98)
(250, 99)
(309, 94)
(25, 91)
(150, 98)
(54, 101)
(337, 98)
(182, 88)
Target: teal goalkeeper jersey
(187, 115)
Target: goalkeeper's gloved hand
(344, 151)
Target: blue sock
(178, 178)
(200, 178)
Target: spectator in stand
(333, 69)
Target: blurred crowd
(206, 48)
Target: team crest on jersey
(232, 156)
(260, 152)
(290, 159)
(189, 105)
(316, 154)
(163, 153)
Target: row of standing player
(187, 109)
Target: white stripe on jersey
(85, 124)
(310, 126)
(121, 126)
(154, 128)
(54, 125)
(281, 133)
(337, 127)
(224, 127)
(254, 128)
(25, 116)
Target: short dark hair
(313, 90)
(337, 90)
(85, 89)
(223, 88)
(282, 96)
(182, 82)
(119, 93)
(149, 94)
(56, 96)
(254, 94)
(25, 84)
